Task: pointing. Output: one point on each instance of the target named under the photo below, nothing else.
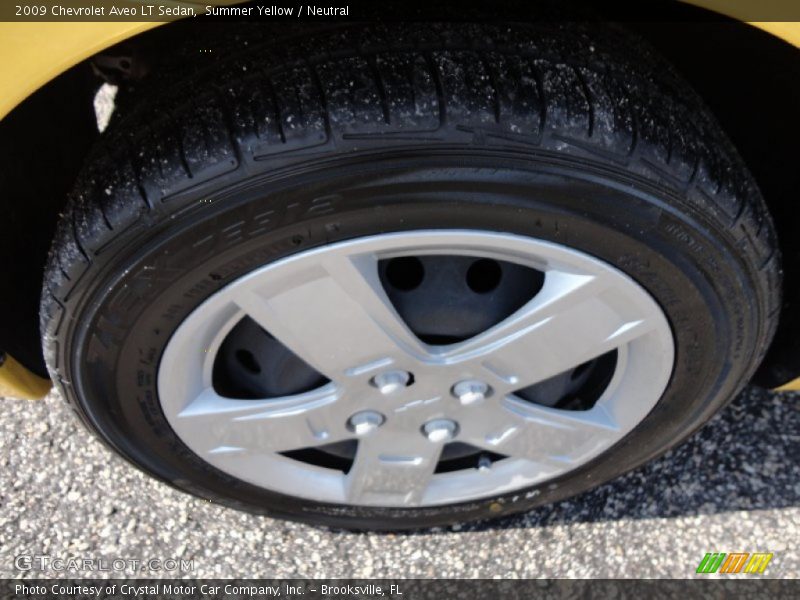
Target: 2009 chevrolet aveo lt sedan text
(397, 275)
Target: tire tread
(570, 91)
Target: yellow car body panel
(34, 53)
(792, 386)
(788, 32)
(18, 382)
(31, 54)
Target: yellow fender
(18, 382)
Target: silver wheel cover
(329, 307)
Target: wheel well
(751, 82)
(750, 79)
(43, 143)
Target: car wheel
(401, 277)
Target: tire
(578, 137)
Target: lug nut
(470, 391)
(391, 381)
(484, 463)
(365, 422)
(440, 430)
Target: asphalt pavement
(733, 486)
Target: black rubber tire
(574, 134)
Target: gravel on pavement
(733, 486)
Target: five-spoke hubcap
(403, 404)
